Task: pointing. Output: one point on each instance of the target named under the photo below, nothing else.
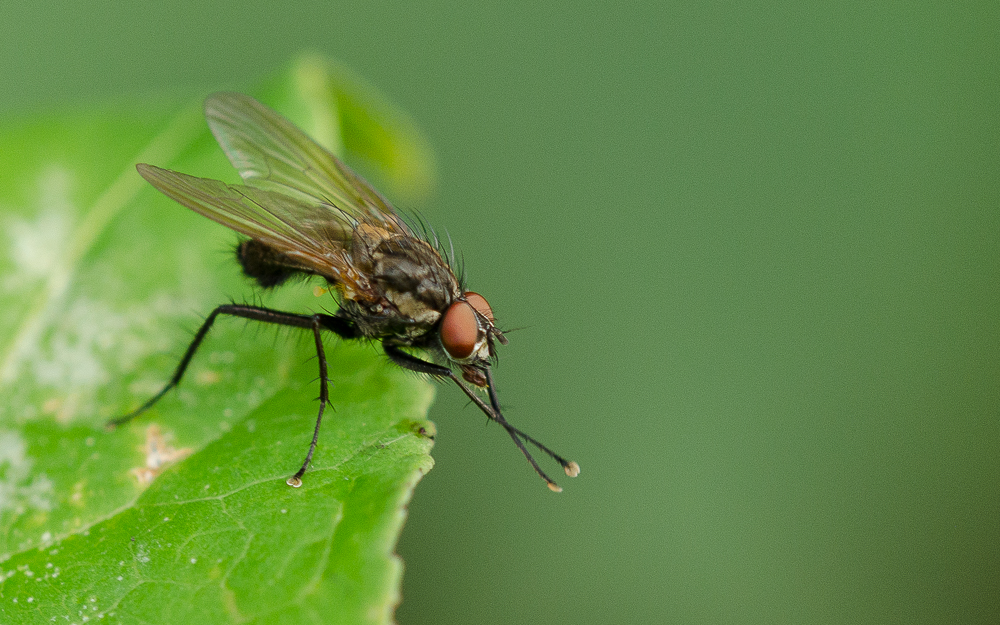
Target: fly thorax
(414, 308)
(413, 278)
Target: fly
(308, 214)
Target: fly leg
(344, 329)
(324, 398)
(572, 469)
(316, 323)
(235, 310)
(408, 361)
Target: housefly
(306, 213)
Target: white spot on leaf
(160, 453)
(38, 247)
(19, 489)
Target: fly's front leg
(408, 361)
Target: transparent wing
(272, 154)
(307, 233)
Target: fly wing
(307, 233)
(273, 154)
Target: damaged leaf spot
(160, 454)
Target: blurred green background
(755, 250)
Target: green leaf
(184, 514)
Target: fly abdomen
(263, 263)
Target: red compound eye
(480, 304)
(459, 330)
